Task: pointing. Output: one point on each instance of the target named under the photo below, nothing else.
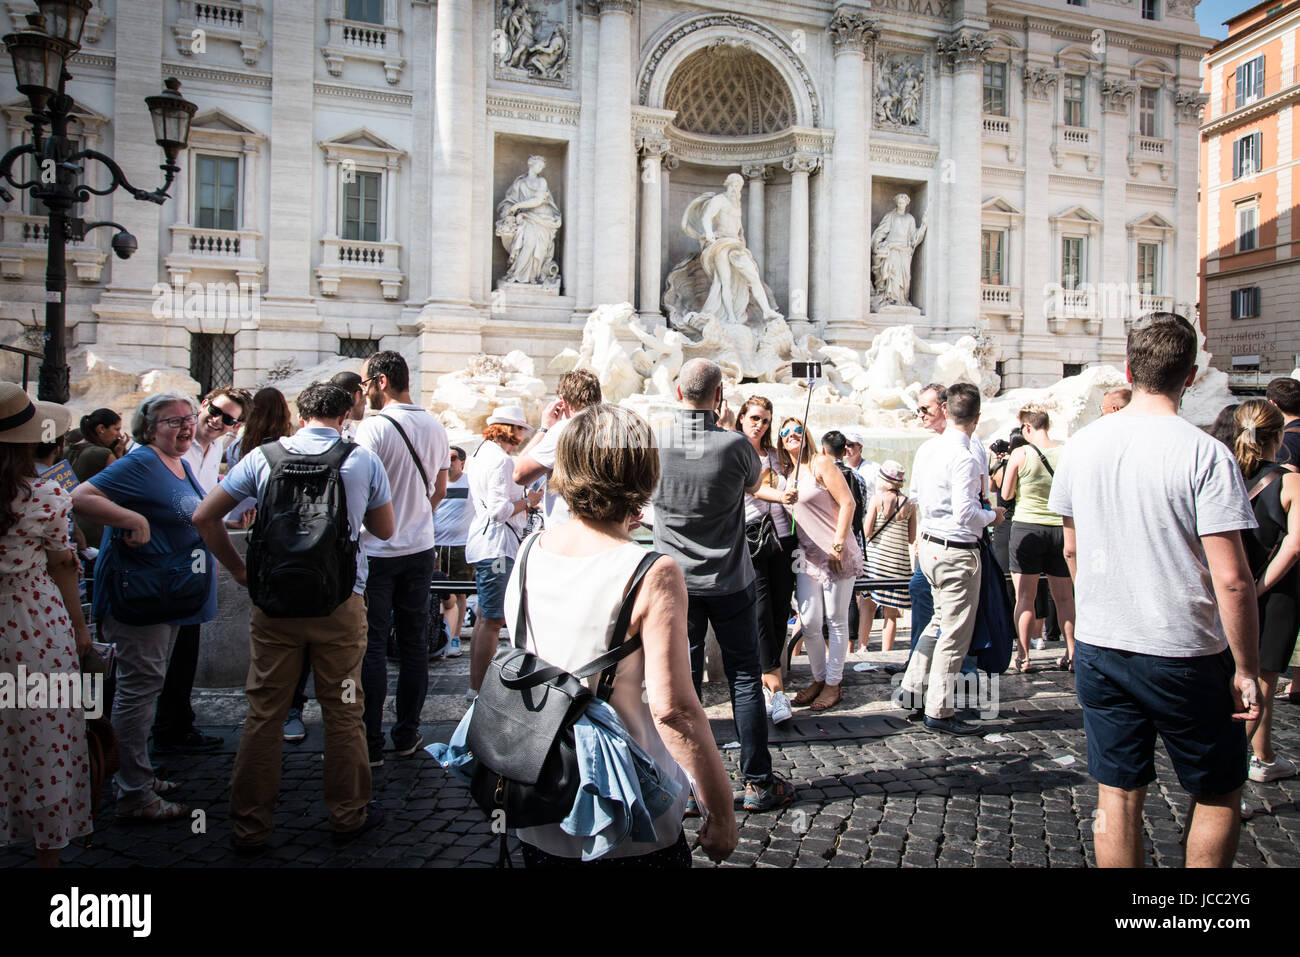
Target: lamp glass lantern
(171, 114)
(65, 19)
(38, 64)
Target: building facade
(345, 172)
(1250, 269)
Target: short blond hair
(606, 463)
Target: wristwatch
(837, 548)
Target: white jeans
(829, 602)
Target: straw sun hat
(22, 420)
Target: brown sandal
(808, 694)
(825, 699)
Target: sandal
(1065, 664)
(161, 787)
(831, 696)
(808, 694)
(155, 810)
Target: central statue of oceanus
(721, 280)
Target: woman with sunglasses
(146, 501)
(772, 544)
(829, 561)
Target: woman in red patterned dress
(44, 771)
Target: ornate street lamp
(40, 56)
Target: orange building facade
(1250, 145)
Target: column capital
(963, 49)
(1189, 105)
(652, 146)
(759, 171)
(1117, 95)
(1040, 81)
(802, 163)
(603, 7)
(852, 30)
(670, 162)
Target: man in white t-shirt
(1167, 630)
(415, 451)
(865, 468)
(576, 390)
(220, 414)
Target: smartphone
(806, 370)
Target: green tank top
(1033, 486)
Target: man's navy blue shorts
(1127, 698)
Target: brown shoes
(808, 694)
(829, 698)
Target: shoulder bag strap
(409, 447)
(519, 637)
(1264, 481)
(892, 515)
(619, 646)
(1046, 464)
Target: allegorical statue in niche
(527, 221)
(893, 245)
(724, 262)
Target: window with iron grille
(1148, 120)
(995, 89)
(366, 11)
(1074, 112)
(216, 201)
(358, 348)
(212, 360)
(361, 207)
(1071, 369)
(1245, 303)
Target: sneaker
(453, 648)
(951, 726)
(780, 709)
(1247, 812)
(1040, 644)
(777, 793)
(767, 701)
(407, 752)
(1263, 771)
(294, 729)
(377, 757)
(374, 817)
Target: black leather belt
(946, 543)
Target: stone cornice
(737, 151)
(923, 156)
(347, 91)
(1252, 111)
(218, 75)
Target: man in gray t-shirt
(1167, 634)
(699, 519)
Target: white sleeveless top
(572, 607)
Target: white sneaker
(471, 694)
(1247, 812)
(1262, 772)
(780, 708)
(453, 648)
(767, 700)
(1040, 644)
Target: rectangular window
(995, 89)
(1074, 112)
(1249, 81)
(1148, 269)
(1069, 369)
(1150, 9)
(1247, 223)
(1148, 98)
(1247, 155)
(1245, 303)
(367, 11)
(992, 256)
(361, 207)
(217, 198)
(1071, 262)
(212, 361)
(1075, 3)
(358, 348)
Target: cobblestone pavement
(874, 791)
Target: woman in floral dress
(44, 770)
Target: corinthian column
(800, 167)
(615, 170)
(756, 174)
(652, 155)
(852, 35)
(963, 52)
(453, 154)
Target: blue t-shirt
(364, 481)
(141, 482)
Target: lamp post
(40, 54)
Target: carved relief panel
(531, 41)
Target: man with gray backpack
(306, 577)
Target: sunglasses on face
(927, 410)
(790, 430)
(178, 421)
(229, 421)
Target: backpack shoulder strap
(1046, 464)
(337, 453)
(424, 476)
(519, 637)
(273, 452)
(619, 646)
(1271, 475)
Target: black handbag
(521, 732)
(150, 589)
(762, 538)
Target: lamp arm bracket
(7, 162)
(84, 192)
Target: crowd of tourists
(1164, 556)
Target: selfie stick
(804, 437)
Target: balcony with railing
(375, 262)
(1150, 149)
(1004, 301)
(1074, 141)
(1004, 130)
(357, 40)
(1061, 305)
(231, 21)
(23, 241)
(1274, 82)
(198, 249)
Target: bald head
(698, 383)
